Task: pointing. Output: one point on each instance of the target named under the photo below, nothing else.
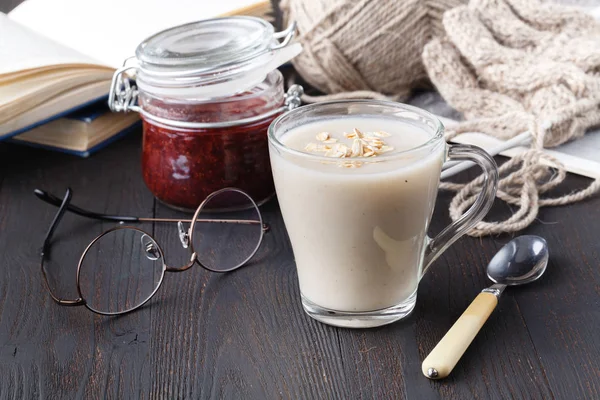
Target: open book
(59, 55)
(82, 132)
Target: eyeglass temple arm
(63, 205)
(57, 201)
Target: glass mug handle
(436, 246)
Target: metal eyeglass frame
(186, 239)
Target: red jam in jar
(207, 92)
(181, 166)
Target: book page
(60, 103)
(23, 49)
(19, 97)
(110, 30)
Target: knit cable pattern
(512, 66)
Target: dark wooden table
(244, 335)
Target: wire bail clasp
(123, 94)
(293, 97)
(287, 35)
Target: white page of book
(23, 49)
(110, 30)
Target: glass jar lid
(206, 45)
(212, 58)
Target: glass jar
(207, 92)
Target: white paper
(110, 30)
(23, 49)
(574, 162)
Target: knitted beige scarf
(512, 66)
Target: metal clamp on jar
(207, 91)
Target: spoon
(520, 261)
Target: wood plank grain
(487, 370)
(562, 309)
(244, 334)
(60, 352)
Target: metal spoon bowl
(522, 260)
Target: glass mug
(359, 235)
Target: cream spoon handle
(442, 359)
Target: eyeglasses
(121, 269)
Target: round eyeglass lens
(120, 271)
(226, 240)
